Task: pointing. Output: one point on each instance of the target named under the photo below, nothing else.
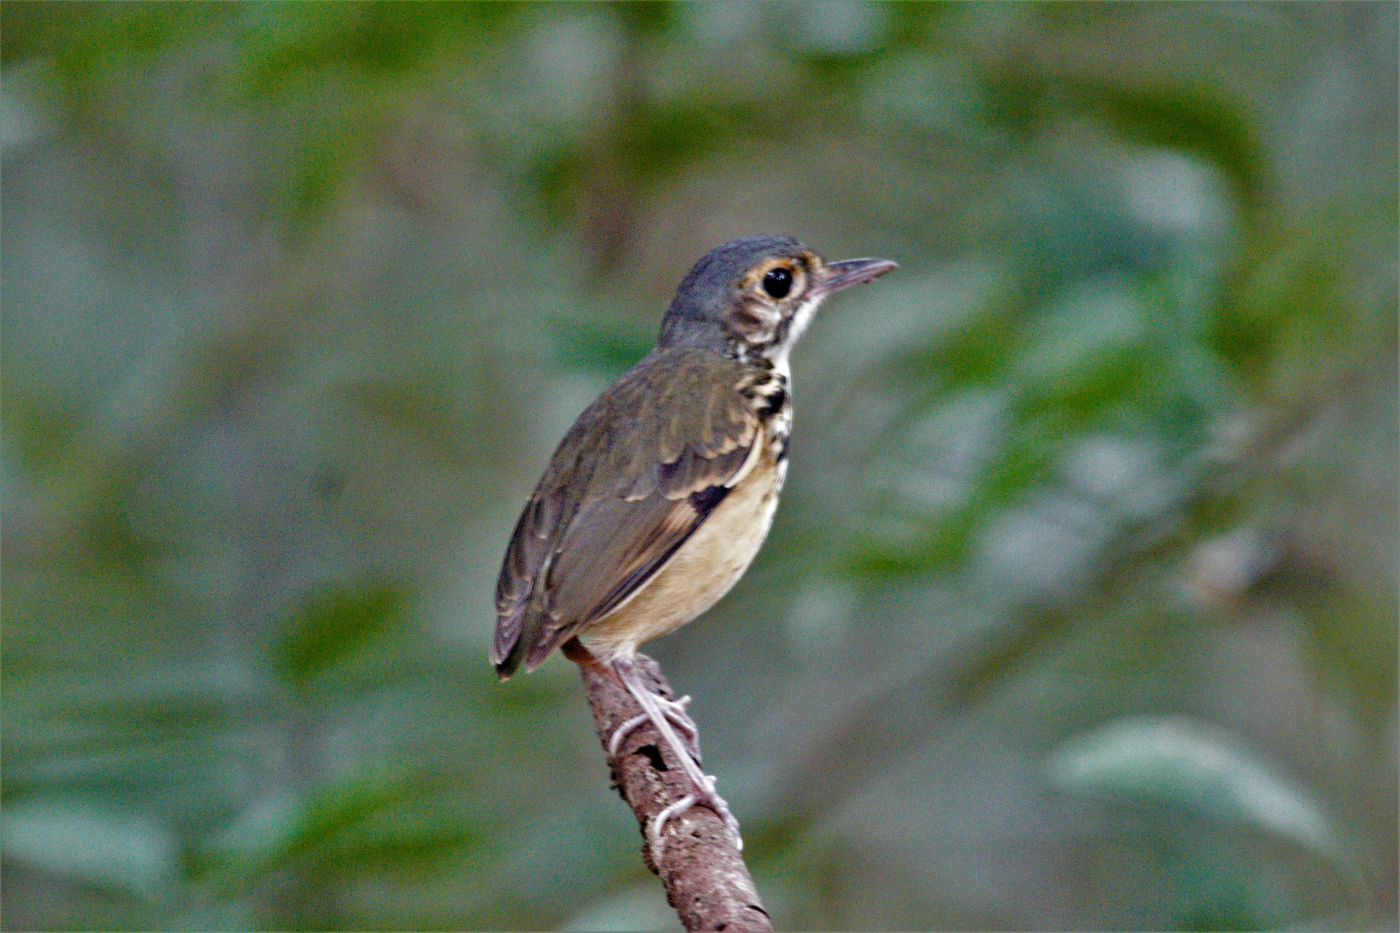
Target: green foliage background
(1080, 608)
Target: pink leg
(661, 712)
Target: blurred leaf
(1087, 327)
(89, 843)
(335, 624)
(93, 44)
(608, 346)
(38, 431)
(375, 820)
(1195, 120)
(426, 413)
(1177, 762)
(1297, 301)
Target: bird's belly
(701, 571)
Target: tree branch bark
(704, 875)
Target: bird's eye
(777, 282)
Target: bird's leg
(656, 709)
(674, 709)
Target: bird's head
(753, 297)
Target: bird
(659, 496)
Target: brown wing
(631, 480)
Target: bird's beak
(850, 272)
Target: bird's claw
(706, 798)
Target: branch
(704, 875)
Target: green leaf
(1196, 120)
(372, 820)
(1178, 762)
(334, 626)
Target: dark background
(1080, 607)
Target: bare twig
(700, 867)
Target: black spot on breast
(775, 400)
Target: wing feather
(631, 480)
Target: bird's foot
(669, 716)
(674, 711)
(706, 797)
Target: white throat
(800, 319)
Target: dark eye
(778, 282)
